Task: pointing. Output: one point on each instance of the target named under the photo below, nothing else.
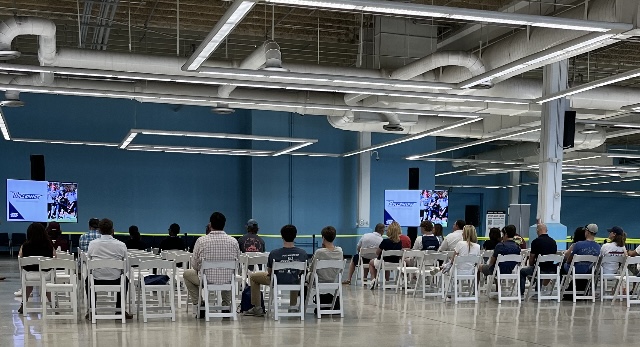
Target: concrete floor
(372, 319)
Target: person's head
(37, 235)
(174, 229)
(509, 232)
(252, 226)
(541, 229)
(93, 223)
(616, 234)
(328, 235)
(394, 231)
(590, 231)
(426, 227)
(217, 221)
(105, 226)
(437, 229)
(495, 234)
(53, 230)
(578, 234)
(379, 228)
(134, 233)
(469, 234)
(459, 225)
(288, 233)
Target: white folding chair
(334, 288)
(436, 284)
(525, 257)
(30, 279)
(63, 276)
(50, 266)
(606, 278)
(389, 266)
(154, 250)
(572, 276)
(416, 259)
(206, 289)
(630, 282)
(365, 253)
(253, 262)
(160, 267)
(299, 267)
(184, 260)
(554, 279)
(84, 276)
(464, 270)
(510, 280)
(93, 265)
(133, 260)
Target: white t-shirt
(370, 240)
(463, 249)
(611, 249)
(450, 241)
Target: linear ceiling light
(453, 172)
(128, 139)
(291, 149)
(4, 128)
(591, 85)
(475, 143)
(234, 15)
(565, 49)
(579, 159)
(413, 137)
(390, 8)
(61, 142)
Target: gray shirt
(327, 275)
(287, 255)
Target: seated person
(369, 240)
(506, 247)
(288, 253)
(406, 241)
(135, 240)
(542, 245)
(586, 247)
(251, 242)
(327, 252)
(37, 245)
(494, 239)
(107, 248)
(428, 241)
(392, 243)
(614, 248)
(173, 241)
(55, 235)
(468, 246)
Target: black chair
(17, 239)
(75, 242)
(5, 241)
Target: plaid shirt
(216, 246)
(86, 238)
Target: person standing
(449, 243)
(251, 242)
(370, 240)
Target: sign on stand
(495, 219)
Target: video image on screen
(434, 206)
(62, 202)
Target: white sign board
(495, 219)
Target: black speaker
(569, 135)
(414, 184)
(472, 215)
(37, 167)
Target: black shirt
(36, 250)
(135, 244)
(544, 245)
(388, 245)
(490, 245)
(172, 242)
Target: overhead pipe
(45, 29)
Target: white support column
(364, 182)
(514, 191)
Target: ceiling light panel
(4, 128)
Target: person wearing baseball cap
(614, 248)
(251, 242)
(586, 247)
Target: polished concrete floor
(372, 319)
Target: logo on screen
(394, 203)
(26, 196)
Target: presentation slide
(402, 206)
(42, 201)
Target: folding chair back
(65, 255)
(630, 282)
(606, 264)
(334, 288)
(50, 265)
(274, 297)
(431, 270)
(553, 278)
(390, 266)
(160, 267)
(29, 279)
(206, 289)
(572, 276)
(511, 280)
(410, 265)
(365, 253)
(461, 274)
(93, 265)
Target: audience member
(506, 247)
(579, 235)
(38, 244)
(173, 241)
(586, 247)
(449, 243)
(107, 248)
(494, 239)
(90, 235)
(614, 248)
(437, 231)
(327, 252)
(392, 243)
(542, 245)
(251, 242)
(406, 241)
(288, 253)
(428, 241)
(207, 230)
(54, 231)
(135, 240)
(215, 246)
(467, 246)
(369, 240)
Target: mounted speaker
(569, 135)
(37, 167)
(414, 184)
(472, 215)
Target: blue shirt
(86, 238)
(586, 247)
(506, 248)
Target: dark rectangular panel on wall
(569, 135)
(414, 184)
(472, 215)
(37, 167)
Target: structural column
(514, 191)
(555, 79)
(364, 184)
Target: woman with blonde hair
(468, 246)
(392, 243)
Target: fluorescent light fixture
(61, 142)
(389, 8)
(132, 135)
(475, 143)
(291, 149)
(4, 128)
(413, 137)
(579, 159)
(591, 85)
(234, 15)
(453, 172)
(565, 49)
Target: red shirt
(406, 241)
